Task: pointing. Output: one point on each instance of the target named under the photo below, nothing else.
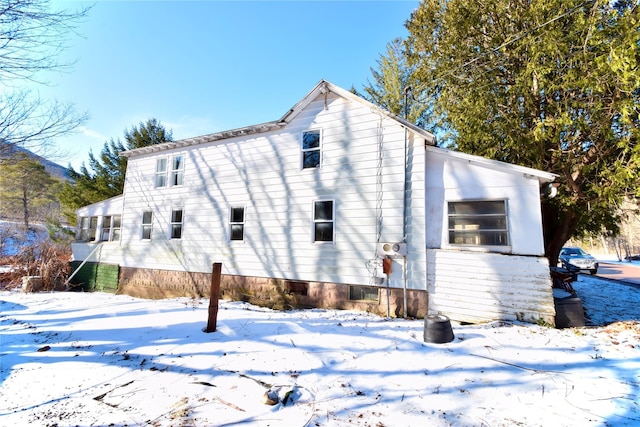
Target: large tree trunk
(557, 227)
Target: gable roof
(542, 176)
(323, 87)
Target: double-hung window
(311, 146)
(84, 229)
(169, 171)
(147, 224)
(106, 228)
(93, 228)
(116, 225)
(236, 223)
(176, 223)
(323, 221)
(161, 173)
(110, 228)
(177, 170)
(478, 223)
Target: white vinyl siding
(262, 172)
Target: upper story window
(161, 173)
(176, 223)
(177, 170)
(236, 223)
(323, 221)
(147, 224)
(169, 174)
(478, 223)
(110, 228)
(311, 154)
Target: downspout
(404, 197)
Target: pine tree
(104, 177)
(25, 186)
(549, 84)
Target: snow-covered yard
(78, 359)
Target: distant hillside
(9, 151)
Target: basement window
(296, 287)
(478, 223)
(366, 293)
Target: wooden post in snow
(216, 274)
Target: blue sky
(207, 66)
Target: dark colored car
(576, 258)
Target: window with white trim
(83, 236)
(176, 223)
(93, 228)
(116, 225)
(106, 228)
(478, 223)
(310, 149)
(161, 173)
(323, 221)
(147, 224)
(177, 170)
(236, 223)
(169, 174)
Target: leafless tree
(32, 37)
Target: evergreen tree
(104, 177)
(24, 187)
(549, 84)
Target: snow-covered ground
(94, 359)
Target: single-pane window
(147, 222)
(478, 223)
(236, 223)
(161, 173)
(310, 149)
(368, 293)
(176, 224)
(323, 221)
(106, 228)
(177, 170)
(116, 224)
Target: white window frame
(105, 233)
(317, 221)
(233, 223)
(176, 174)
(304, 151)
(160, 178)
(147, 226)
(116, 227)
(169, 171)
(478, 230)
(176, 224)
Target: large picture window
(478, 223)
(311, 149)
(323, 221)
(236, 223)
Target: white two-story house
(336, 204)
